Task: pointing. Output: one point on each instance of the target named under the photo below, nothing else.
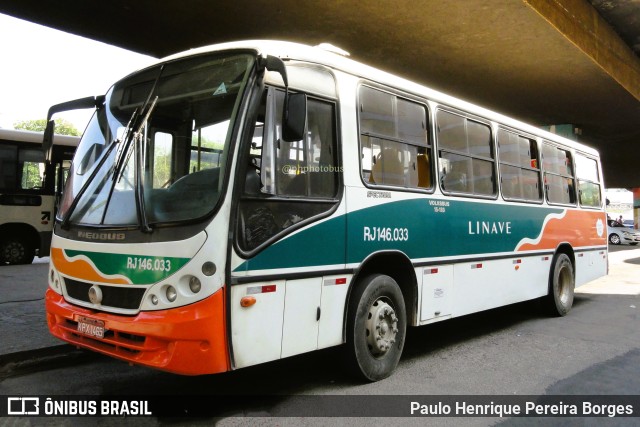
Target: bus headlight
(208, 268)
(55, 281)
(171, 293)
(195, 285)
(154, 299)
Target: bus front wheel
(15, 250)
(376, 327)
(561, 286)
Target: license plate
(91, 327)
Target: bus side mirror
(294, 120)
(76, 104)
(294, 114)
(47, 140)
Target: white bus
(250, 201)
(28, 192)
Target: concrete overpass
(542, 61)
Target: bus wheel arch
(18, 243)
(379, 308)
(562, 281)
(398, 266)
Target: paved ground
(508, 351)
(23, 324)
(24, 331)
(624, 274)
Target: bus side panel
(332, 307)
(482, 285)
(40, 218)
(301, 312)
(590, 265)
(256, 331)
(288, 317)
(437, 292)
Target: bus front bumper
(189, 340)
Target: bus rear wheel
(15, 250)
(561, 286)
(376, 327)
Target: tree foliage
(63, 127)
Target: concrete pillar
(565, 130)
(636, 208)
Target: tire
(561, 286)
(376, 327)
(614, 239)
(15, 250)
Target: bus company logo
(23, 406)
(600, 227)
(101, 236)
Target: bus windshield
(156, 151)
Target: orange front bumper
(189, 340)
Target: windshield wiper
(132, 136)
(123, 155)
(138, 140)
(83, 189)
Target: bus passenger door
(289, 223)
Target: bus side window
(394, 141)
(253, 185)
(62, 173)
(558, 175)
(8, 161)
(466, 155)
(282, 176)
(589, 189)
(519, 167)
(32, 169)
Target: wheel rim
(382, 328)
(565, 283)
(13, 252)
(615, 239)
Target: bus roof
(318, 55)
(36, 137)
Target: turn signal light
(247, 301)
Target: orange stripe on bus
(579, 228)
(81, 269)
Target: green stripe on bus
(139, 269)
(421, 228)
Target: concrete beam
(581, 24)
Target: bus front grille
(112, 296)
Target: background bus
(227, 207)
(29, 191)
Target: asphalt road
(514, 350)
